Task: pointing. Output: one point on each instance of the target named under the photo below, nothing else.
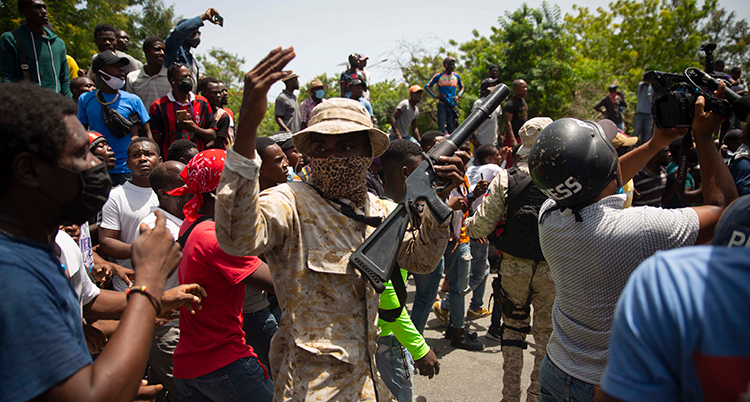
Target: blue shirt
(681, 329)
(367, 106)
(41, 338)
(90, 113)
(740, 170)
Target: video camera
(674, 104)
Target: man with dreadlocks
(592, 244)
(324, 349)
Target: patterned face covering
(341, 178)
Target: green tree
(226, 67)
(731, 36)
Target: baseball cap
(415, 88)
(611, 87)
(283, 139)
(107, 57)
(529, 131)
(337, 116)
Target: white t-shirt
(70, 256)
(87, 249)
(487, 132)
(173, 225)
(124, 210)
(408, 115)
(475, 174)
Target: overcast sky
(325, 32)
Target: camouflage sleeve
(421, 251)
(491, 210)
(246, 223)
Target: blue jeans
(558, 386)
(457, 271)
(396, 367)
(244, 379)
(427, 289)
(480, 269)
(445, 118)
(643, 126)
(259, 328)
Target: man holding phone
(186, 36)
(183, 115)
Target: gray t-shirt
(645, 93)
(403, 123)
(487, 132)
(287, 108)
(591, 262)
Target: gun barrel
(472, 122)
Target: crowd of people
(150, 250)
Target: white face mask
(112, 82)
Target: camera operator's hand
(707, 123)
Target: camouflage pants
(516, 274)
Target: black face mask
(185, 85)
(95, 186)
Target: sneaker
(494, 334)
(467, 343)
(478, 313)
(441, 314)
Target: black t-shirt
(611, 110)
(520, 111)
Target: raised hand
(254, 99)
(155, 254)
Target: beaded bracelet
(142, 290)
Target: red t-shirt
(212, 337)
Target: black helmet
(733, 229)
(571, 161)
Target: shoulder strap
(185, 235)
(390, 315)
(21, 55)
(516, 186)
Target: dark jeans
(242, 380)
(259, 328)
(118, 179)
(558, 386)
(446, 118)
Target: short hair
(204, 83)
(483, 152)
(398, 154)
(735, 70)
(493, 67)
(428, 138)
(143, 139)
(173, 67)
(22, 4)
(78, 81)
(674, 148)
(31, 120)
(179, 149)
(261, 143)
(103, 28)
(517, 83)
(159, 178)
(148, 43)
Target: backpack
(520, 237)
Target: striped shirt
(650, 187)
(449, 85)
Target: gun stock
(376, 257)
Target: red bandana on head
(201, 175)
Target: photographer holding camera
(592, 244)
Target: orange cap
(414, 88)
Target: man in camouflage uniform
(324, 349)
(517, 281)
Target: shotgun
(376, 257)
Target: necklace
(102, 99)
